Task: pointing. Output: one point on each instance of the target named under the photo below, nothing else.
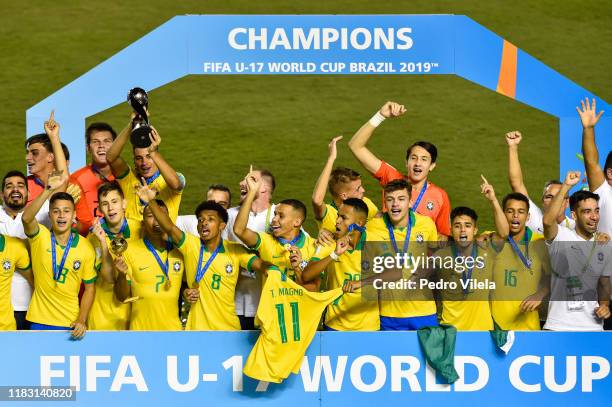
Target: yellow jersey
(156, 308)
(514, 282)
(215, 309)
(328, 221)
(466, 308)
(273, 251)
(107, 313)
(405, 303)
(288, 315)
(13, 256)
(57, 302)
(171, 198)
(351, 311)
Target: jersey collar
(221, 250)
(388, 223)
(126, 232)
(75, 241)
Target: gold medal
(168, 284)
(195, 284)
(287, 246)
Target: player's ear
(475, 231)
(573, 214)
(222, 226)
(432, 166)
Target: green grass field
(214, 127)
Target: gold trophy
(118, 246)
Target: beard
(17, 207)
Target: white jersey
(577, 266)
(605, 208)
(536, 223)
(21, 293)
(248, 289)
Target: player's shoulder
(436, 190)
(80, 173)
(11, 243)
(423, 221)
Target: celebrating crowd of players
(60, 233)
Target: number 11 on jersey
(295, 319)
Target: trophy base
(140, 136)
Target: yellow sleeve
(22, 257)
(329, 219)
(187, 244)
(95, 243)
(372, 208)
(88, 271)
(127, 183)
(42, 234)
(245, 257)
(322, 252)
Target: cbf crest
(176, 266)
(6, 265)
(76, 265)
(430, 205)
(229, 268)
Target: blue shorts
(407, 324)
(42, 327)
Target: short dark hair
(99, 126)
(608, 163)
(66, 151)
(268, 176)
(212, 206)
(431, 149)
(464, 211)
(515, 196)
(41, 138)
(358, 206)
(220, 187)
(396, 185)
(107, 187)
(297, 205)
(15, 173)
(61, 196)
(580, 196)
(341, 175)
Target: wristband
(334, 256)
(377, 119)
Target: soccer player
(13, 257)
(427, 199)
(580, 269)
(61, 260)
(287, 246)
(343, 183)
(99, 137)
(212, 265)
(600, 182)
(551, 188)
(15, 197)
(155, 271)
(350, 312)
(216, 192)
(467, 307)
(150, 165)
(521, 275)
(107, 313)
(44, 153)
(407, 232)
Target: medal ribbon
(57, 270)
(524, 258)
(408, 233)
(163, 266)
(418, 200)
(108, 231)
(97, 171)
(466, 277)
(201, 271)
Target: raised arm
(113, 156)
(52, 129)
(314, 268)
(79, 327)
(549, 220)
(515, 174)
(589, 118)
(147, 195)
(502, 229)
(170, 176)
(358, 142)
(106, 267)
(318, 195)
(56, 182)
(245, 234)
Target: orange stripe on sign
(506, 83)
